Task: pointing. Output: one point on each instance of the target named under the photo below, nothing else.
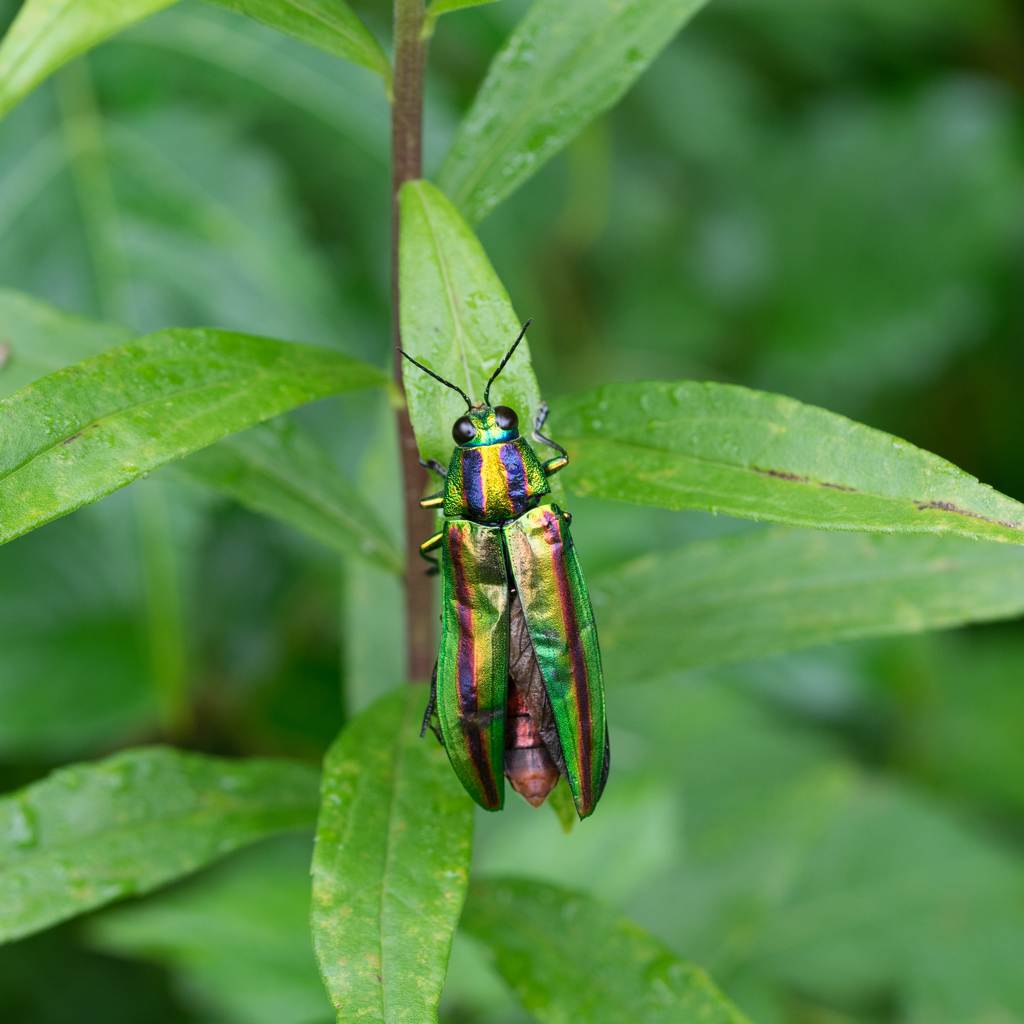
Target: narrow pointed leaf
(565, 63)
(94, 833)
(572, 960)
(329, 25)
(390, 866)
(275, 469)
(778, 590)
(746, 453)
(456, 319)
(84, 431)
(48, 33)
(278, 469)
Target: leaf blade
(769, 591)
(93, 833)
(48, 33)
(564, 64)
(456, 319)
(390, 866)
(571, 959)
(277, 469)
(138, 406)
(330, 26)
(732, 450)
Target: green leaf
(560, 801)
(730, 450)
(328, 25)
(48, 33)
(237, 936)
(572, 960)
(390, 866)
(439, 7)
(456, 319)
(94, 833)
(278, 469)
(36, 339)
(565, 63)
(88, 429)
(779, 590)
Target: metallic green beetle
(518, 686)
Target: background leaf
(438, 7)
(571, 959)
(565, 63)
(329, 25)
(391, 864)
(41, 339)
(276, 468)
(48, 33)
(730, 450)
(236, 938)
(456, 319)
(132, 409)
(94, 833)
(767, 591)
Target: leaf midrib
(448, 289)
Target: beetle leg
(433, 500)
(431, 545)
(431, 704)
(435, 466)
(552, 466)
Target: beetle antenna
(446, 383)
(501, 365)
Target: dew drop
(22, 830)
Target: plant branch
(407, 165)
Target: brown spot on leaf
(779, 475)
(948, 506)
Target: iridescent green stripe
(472, 671)
(561, 623)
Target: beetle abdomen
(494, 482)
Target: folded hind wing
(558, 615)
(472, 673)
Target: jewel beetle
(517, 687)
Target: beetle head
(484, 425)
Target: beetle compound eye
(505, 417)
(463, 430)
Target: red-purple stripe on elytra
(515, 473)
(579, 666)
(473, 481)
(466, 670)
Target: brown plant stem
(407, 165)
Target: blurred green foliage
(823, 197)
